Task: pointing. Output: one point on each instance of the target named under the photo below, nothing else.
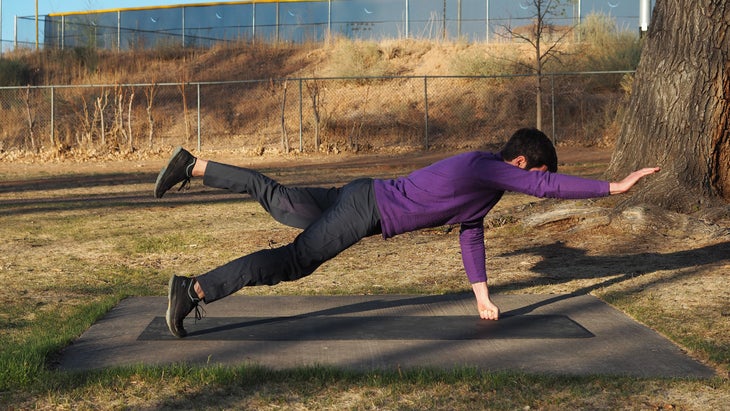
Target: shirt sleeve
(473, 254)
(505, 177)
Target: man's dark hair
(534, 145)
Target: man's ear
(519, 161)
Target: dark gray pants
(332, 219)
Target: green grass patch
(24, 360)
(158, 244)
(180, 386)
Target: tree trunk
(539, 25)
(538, 103)
(678, 114)
(284, 138)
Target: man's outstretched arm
(488, 310)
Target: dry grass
(83, 234)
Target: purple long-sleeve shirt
(461, 190)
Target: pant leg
(291, 206)
(353, 216)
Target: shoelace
(199, 311)
(185, 184)
(188, 173)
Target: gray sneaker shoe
(181, 300)
(178, 169)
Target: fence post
(552, 104)
(408, 19)
(53, 111)
(183, 27)
(199, 126)
(425, 112)
(119, 30)
(301, 118)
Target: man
(458, 190)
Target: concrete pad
(556, 334)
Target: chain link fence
(307, 114)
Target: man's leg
(291, 206)
(295, 207)
(353, 216)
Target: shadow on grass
(615, 269)
(30, 198)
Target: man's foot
(178, 169)
(181, 299)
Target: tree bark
(678, 112)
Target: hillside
(356, 96)
(337, 58)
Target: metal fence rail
(306, 114)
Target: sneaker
(179, 169)
(181, 300)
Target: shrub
(605, 46)
(359, 59)
(480, 62)
(14, 73)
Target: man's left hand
(487, 309)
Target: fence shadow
(34, 195)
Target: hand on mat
(488, 311)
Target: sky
(12, 8)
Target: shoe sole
(168, 313)
(161, 176)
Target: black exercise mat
(314, 328)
